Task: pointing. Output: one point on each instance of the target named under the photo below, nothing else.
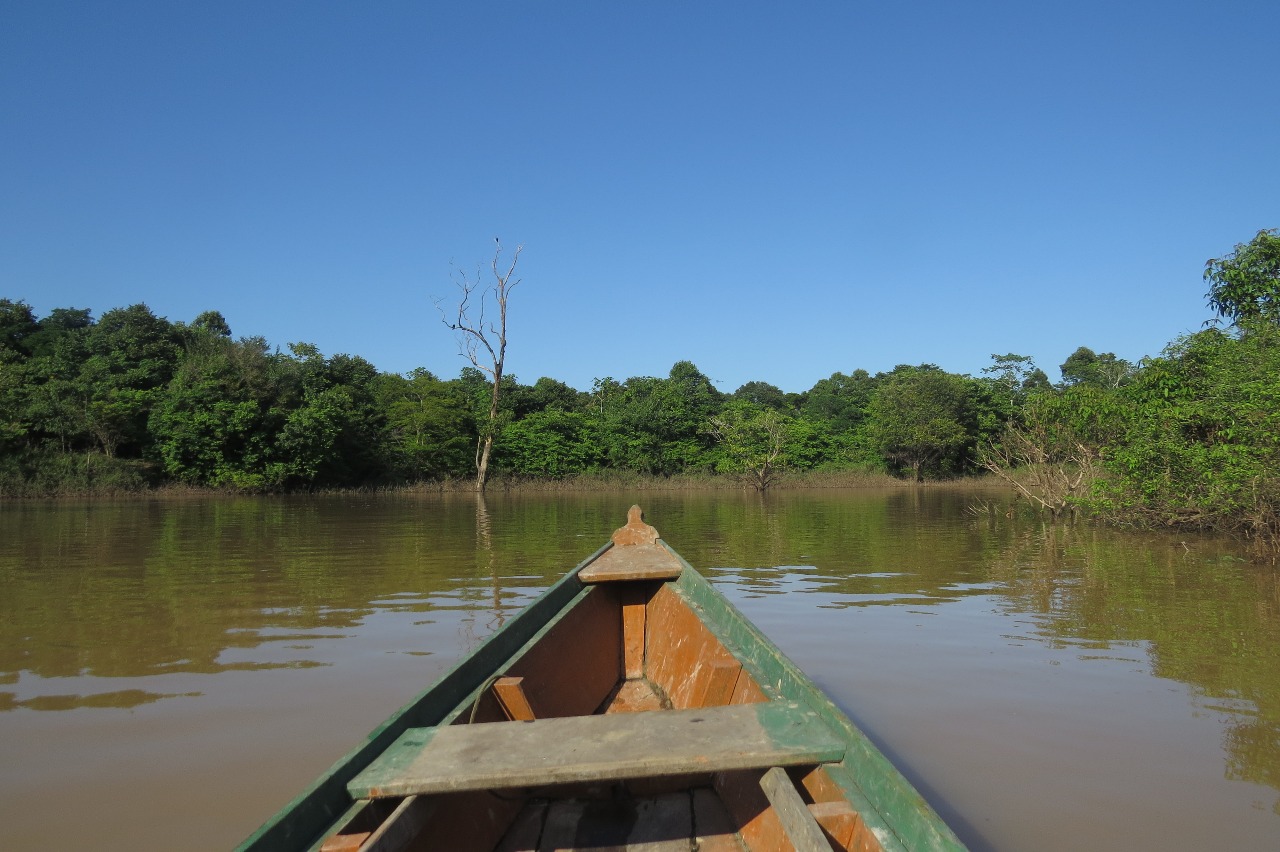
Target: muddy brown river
(174, 671)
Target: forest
(131, 401)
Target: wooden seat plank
(598, 748)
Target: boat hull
(611, 658)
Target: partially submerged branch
(1051, 474)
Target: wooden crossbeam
(510, 692)
(615, 747)
(801, 827)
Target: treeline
(131, 400)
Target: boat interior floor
(683, 820)
(633, 696)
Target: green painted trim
(899, 806)
(300, 823)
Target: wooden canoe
(630, 706)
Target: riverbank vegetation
(132, 401)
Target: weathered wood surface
(634, 563)
(636, 554)
(568, 668)
(598, 748)
(635, 600)
(802, 829)
(510, 692)
(634, 696)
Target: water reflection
(189, 605)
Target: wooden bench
(495, 755)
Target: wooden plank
(718, 683)
(634, 601)
(683, 655)
(460, 822)
(345, 842)
(510, 692)
(834, 810)
(598, 748)
(633, 563)
(577, 662)
(801, 828)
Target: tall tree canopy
(1245, 285)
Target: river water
(173, 671)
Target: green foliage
(753, 442)
(919, 420)
(765, 394)
(1085, 367)
(1202, 443)
(840, 401)
(17, 324)
(429, 426)
(1191, 438)
(551, 443)
(1245, 285)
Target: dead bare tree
(1048, 470)
(484, 343)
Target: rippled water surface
(172, 672)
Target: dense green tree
(763, 393)
(917, 420)
(1201, 446)
(17, 324)
(754, 441)
(545, 393)
(218, 418)
(430, 427)
(1084, 366)
(1245, 285)
(131, 356)
(551, 443)
(1010, 377)
(653, 425)
(840, 401)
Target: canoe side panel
(899, 816)
(577, 663)
(301, 822)
(684, 658)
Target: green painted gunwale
(890, 806)
(894, 810)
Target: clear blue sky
(774, 191)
